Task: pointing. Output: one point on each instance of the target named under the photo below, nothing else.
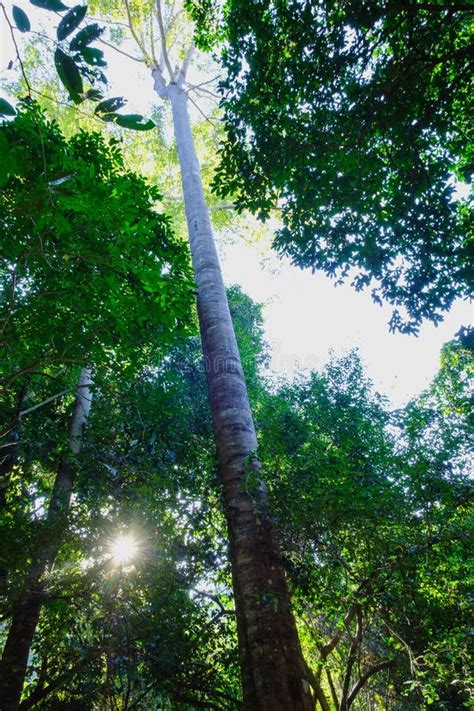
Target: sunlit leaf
(136, 122)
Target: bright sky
(305, 315)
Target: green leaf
(85, 36)
(93, 94)
(53, 5)
(93, 56)
(70, 21)
(110, 105)
(21, 19)
(136, 122)
(69, 74)
(108, 117)
(6, 109)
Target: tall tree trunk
(27, 609)
(273, 669)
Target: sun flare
(123, 549)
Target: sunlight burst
(123, 549)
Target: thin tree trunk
(273, 669)
(9, 452)
(7, 462)
(26, 612)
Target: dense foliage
(371, 511)
(91, 273)
(355, 117)
(116, 553)
(92, 278)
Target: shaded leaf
(69, 74)
(6, 109)
(85, 36)
(93, 56)
(93, 94)
(21, 19)
(70, 21)
(4, 163)
(110, 105)
(53, 5)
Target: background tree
(111, 261)
(373, 509)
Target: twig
(45, 402)
(17, 50)
(203, 91)
(108, 22)
(65, 103)
(187, 60)
(208, 81)
(120, 51)
(204, 115)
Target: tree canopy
(89, 264)
(92, 275)
(353, 117)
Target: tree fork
(274, 674)
(27, 609)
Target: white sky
(305, 315)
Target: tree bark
(27, 609)
(274, 674)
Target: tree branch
(365, 677)
(163, 40)
(335, 700)
(134, 32)
(332, 644)
(152, 41)
(45, 402)
(318, 692)
(159, 82)
(351, 660)
(187, 61)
